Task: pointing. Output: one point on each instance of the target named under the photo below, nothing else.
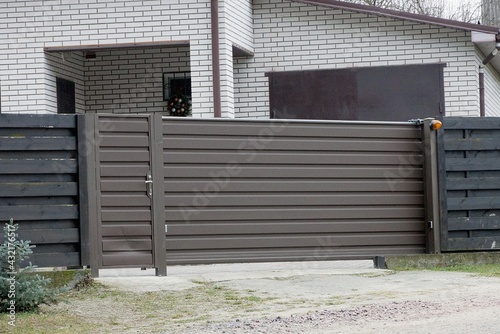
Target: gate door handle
(149, 184)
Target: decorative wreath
(179, 105)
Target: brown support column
(88, 180)
(216, 57)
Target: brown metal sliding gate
(248, 190)
(241, 190)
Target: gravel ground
(460, 316)
(323, 298)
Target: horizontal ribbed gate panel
(39, 185)
(241, 190)
(470, 167)
(126, 217)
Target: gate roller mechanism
(434, 124)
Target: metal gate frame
(90, 176)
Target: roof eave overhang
(425, 19)
(116, 46)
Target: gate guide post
(158, 195)
(431, 186)
(88, 192)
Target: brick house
(127, 56)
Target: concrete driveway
(335, 297)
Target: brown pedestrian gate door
(125, 188)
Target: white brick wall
(26, 27)
(284, 36)
(294, 36)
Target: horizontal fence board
(303, 172)
(196, 213)
(473, 223)
(474, 203)
(38, 189)
(287, 129)
(468, 123)
(482, 183)
(305, 240)
(40, 201)
(124, 170)
(59, 259)
(111, 185)
(471, 164)
(202, 157)
(37, 121)
(121, 214)
(128, 244)
(123, 126)
(36, 132)
(121, 259)
(291, 227)
(338, 145)
(475, 244)
(226, 184)
(37, 144)
(51, 236)
(308, 200)
(127, 141)
(473, 144)
(121, 230)
(39, 155)
(39, 212)
(125, 200)
(109, 155)
(38, 166)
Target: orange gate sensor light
(436, 125)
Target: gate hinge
(431, 224)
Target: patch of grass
(97, 308)
(489, 270)
(375, 274)
(47, 322)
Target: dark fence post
(88, 195)
(431, 188)
(443, 193)
(158, 204)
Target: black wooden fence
(39, 185)
(469, 160)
